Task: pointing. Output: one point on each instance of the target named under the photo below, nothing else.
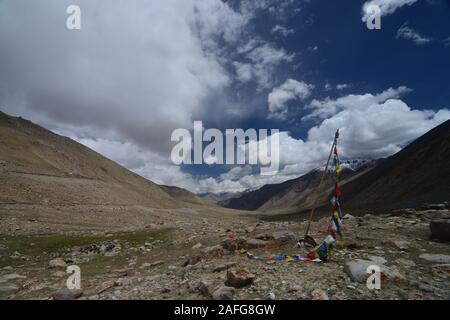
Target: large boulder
(357, 270)
(440, 229)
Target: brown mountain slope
(38, 165)
(419, 173)
(298, 193)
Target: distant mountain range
(297, 192)
(419, 173)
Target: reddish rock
(239, 277)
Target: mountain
(297, 192)
(417, 174)
(220, 197)
(48, 175)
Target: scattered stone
(67, 294)
(377, 259)
(270, 296)
(11, 276)
(401, 244)
(278, 237)
(357, 270)
(57, 263)
(436, 258)
(431, 215)
(428, 206)
(8, 288)
(223, 293)
(151, 264)
(402, 212)
(239, 277)
(406, 262)
(197, 246)
(206, 287)
(224, 267)
(59, 274)
(318, 294)
(257, 243)
(440, 229)
(426, 287)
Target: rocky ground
(193, 260)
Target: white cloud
(328, 107)
(290, 90)
(387, 7)
(282, 30)
(405, 32)
(342, 86)
(263, 59)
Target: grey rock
(11, 276)
(224, 267)
(357, 270)
(436, 258)
(318, 294)
(440, 229)
(401, 244)
(223, 293)
(270, 296)
(8, 288)
(57, 263)
(67, 294)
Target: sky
(137, 70)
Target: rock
(428, 206)
(401, 244)
(348, 216)
(233, 243)
(436, 214)
(270, 296)
(59, 274)
(436, 258)
(318, 294)
(426, 287)
(440, 229)
(206, 287)
(11, 276)
(224, 267)
(357, 270)
(8, 288)
(197, 246)
(257, 243)
(223, 293)
(402, 212)
(239, 277)
(406, 262)
(377, 260)
(151, 264)
(67, 294)
(214, 251)
(57, 263)
(279, 237)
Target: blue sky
(137, 71)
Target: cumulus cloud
(342, 86)
(387, 7)
(322, 109)
(261, 59)
(290, 90)
(282, 30)
(407, 33)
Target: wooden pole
(336, 136)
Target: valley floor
(145, 260)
